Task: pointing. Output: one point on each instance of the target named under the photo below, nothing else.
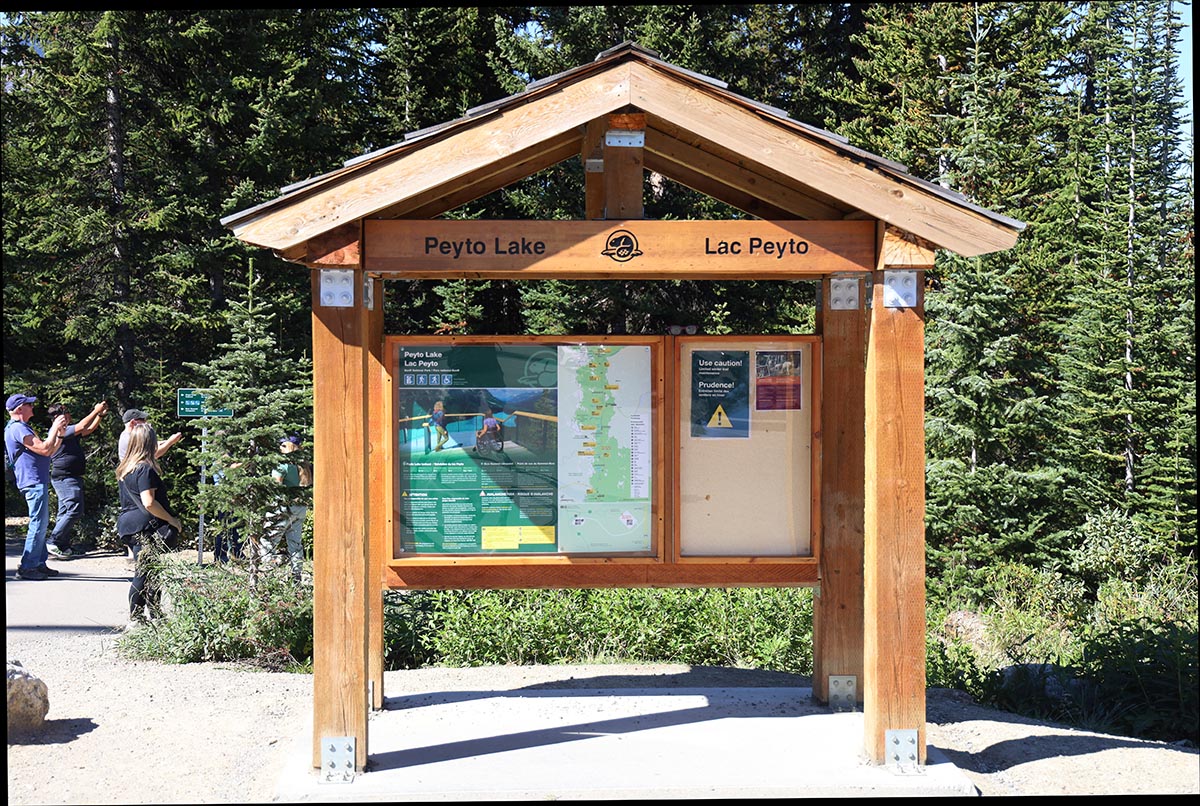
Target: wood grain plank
(580, 249)
(645, 574)
(378, 522)
(442, 199)
(593, 181)
(894, 526)
(838, 609)
(339, 526)
(751, 205)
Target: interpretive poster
(524, 448)
(720, 394)
(779, 381)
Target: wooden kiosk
(819, 209)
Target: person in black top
(66, 474)
(144, 508)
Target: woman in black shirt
(144, 508)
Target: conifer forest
(1060, 375)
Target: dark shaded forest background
(1061, 408)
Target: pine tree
(271, 397)
(1129, 334)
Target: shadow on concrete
(727, 705)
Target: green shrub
(407, 626)
(1149, 670)
(755, 628)
(212, 615)
(1111, 545)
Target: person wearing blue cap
(30, 457)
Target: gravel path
(122, 732)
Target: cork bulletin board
(748, 415)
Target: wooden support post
(894, 511)
(623, 170)
(340, 500)
(592, 155)
(379, 531)
(838, 605)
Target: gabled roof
(698, 133)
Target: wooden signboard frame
(662, 567)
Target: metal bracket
(337, 288)
(843, 294)
(618, 138)
(843, 692)
(593, 166)
(369, 293)
(900, 289)
(900, 747)
(337, 759)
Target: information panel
(748, 413)
(525, 447)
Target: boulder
(28, 700)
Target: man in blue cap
(30, 458)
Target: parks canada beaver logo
(622, 246)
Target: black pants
(143, 588)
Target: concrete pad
(87, 596)
(613, 744)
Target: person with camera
(66, 474)
(145, 522)
(29, 457)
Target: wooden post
(838, 605)
(593, 174)
(894, 511)
(340, 500)
(378, 523)
(623, 170)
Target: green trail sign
(194, 403)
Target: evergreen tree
(1129, 334)
(271, 397)
(127, 135)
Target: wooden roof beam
(903, 205)
(440, 163)
(702, 183)
(441, 199)
(675, 156)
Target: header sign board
(625, 249)
(193, 403)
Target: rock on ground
(28, 700)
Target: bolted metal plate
(843, 692)
(337, 288)
(900, 746)
(618, 138)
(843, 294)
(369, 293)
(337, 760)
(900, 289)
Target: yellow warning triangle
(719, 419)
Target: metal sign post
(194, 403)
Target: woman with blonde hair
(144, 517)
